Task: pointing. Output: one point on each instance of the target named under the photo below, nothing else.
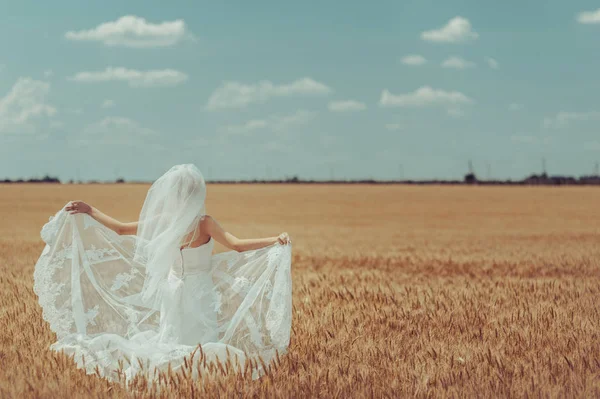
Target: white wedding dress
(215, 313)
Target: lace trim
(60, 320)
(90, 315)
(241, 284)
(217, 302)
(123, 279)
(101, 254)
(278, 317)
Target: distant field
(398, 290)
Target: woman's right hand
(284, 238)
(74, 207)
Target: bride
(148, 298)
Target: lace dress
(231, 306)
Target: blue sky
(273, 89)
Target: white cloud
(563, 118)
(108, 104)
(135, 78)
(424, 96)
(24, 103)
(589, 17)
(48, 73)
(492, 63)
(515, 106)
(413, 60)
(455, 112)
(275, 123)
(240, 95)
(393, 126)
(457, 30)
(115, 132)
(299, 118)
(346, 106)
(457, 63)
(133, 31)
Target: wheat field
(426, 291)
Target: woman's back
(194, 260)
(198, 237)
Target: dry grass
(398, 291)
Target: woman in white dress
(140, 298)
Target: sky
(314, 89)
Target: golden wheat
(397, 290)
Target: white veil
(172, 209)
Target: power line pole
(544, 166)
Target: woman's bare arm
(212, 228)
(115, 225)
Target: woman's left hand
(284, 238)
(74, 207)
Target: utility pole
(401, 172)
(596, 169)
(544, 166)
(489, 171)
(470, 178)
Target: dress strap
(189, 243)
(193, 237)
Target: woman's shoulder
(206, 221)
